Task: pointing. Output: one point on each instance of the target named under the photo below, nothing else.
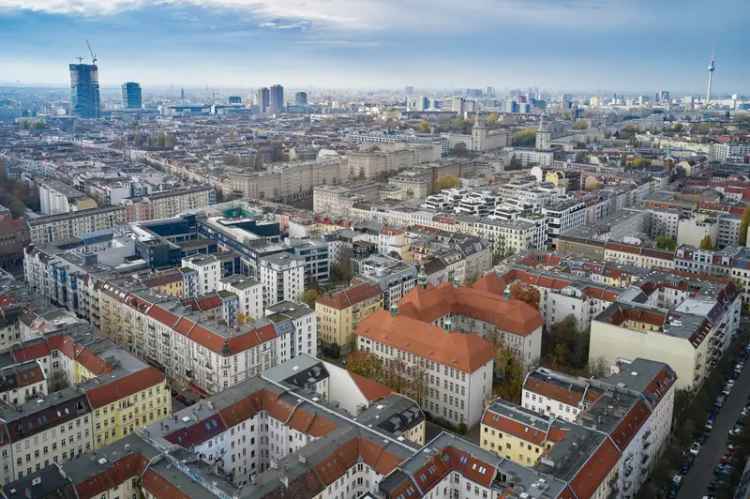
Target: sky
(573, 45)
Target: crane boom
(93, 56)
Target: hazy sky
(627, 45)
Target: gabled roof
(465, 352)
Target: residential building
(283, 278)
(249, 292)
(394, 277)
(340, 313)
(64, 226)
(56, 197)
(208, 271)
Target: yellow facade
(511, 447)
(336, 325)
(175, 289)
(118, 419)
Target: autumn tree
(510, 371)
(744, 222)
(706, 243)
(525, 293)
(525, 137)
(666, 243)
(447, 182)
(365, 364)
(424, 127)
(309, 296)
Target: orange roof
(371, 389)
(596, 469)
(350, 296)
(429, 304)
(513, 427)
(465, 352)
(121, 470)
(106, 393)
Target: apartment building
(208, 270)
(195, 351)
(560, 295)
(22, 382)
(110, 394)
(394, 277)
(65, 226)
(56, 197)
(631, 254)
(507, 237)
(563, 216)
(671, 323)
(282, 276)
(168, 204)
(614, 439)
(340, 313)
(639, 394)
(249, 292)
(337, 200)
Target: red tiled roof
(465, 352)
(429, 304)
(371, 389)
(161, 487)
(630, 424)
(124, 469)
(595, 470)
(350, 296)
(513, 427)
(108, 392)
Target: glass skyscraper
(277, 99)
(84, 90)
(131, 95)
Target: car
(719, 402)
(724, 469)
(684, 468)
(695, 448)
(736, 430)
(744, 412)
(730, 383)
(709, 424)
(726, 390)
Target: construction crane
(93, 56)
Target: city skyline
(567, 45)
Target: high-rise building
(543, 136)
(84, 90)
(131, 95)
(262, 99)
(300, 99)
(234, 99)
(276, 104)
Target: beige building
(340, 313)
(45, 230)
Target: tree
(309, 296)
(565, 348)
(639, 162)
(666, 243)
(492, 118)
(525, 137)
(580, 125)
(510, 371)
(525, 293)
(744, 222)
(706, 243)
(447, 182)
(424, 127)
(365, 364)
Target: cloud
(376, 15)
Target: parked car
(695, 448)
(719, 402)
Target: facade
(394, 277)
(563, 216)
(250, 294)
(340, 313)
(283, 278)
(84, 90)
(58, 197)
(667, 322)
(276, 99)
(262, 99)
(52, 228)
(300, 99)
(208, 271)
(131, 95)
(168, 204)
(564, 419)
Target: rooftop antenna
(93, 56)
(80, 59)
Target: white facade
(282, 277)
(209, 272)
(249, 292)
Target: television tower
(711, 69)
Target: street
(695, 482)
